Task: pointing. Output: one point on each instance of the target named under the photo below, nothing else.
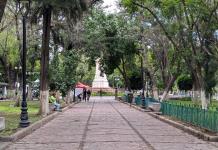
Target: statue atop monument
(100, 80)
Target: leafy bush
(184, 82)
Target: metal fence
(206, 119)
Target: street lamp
(143, 83)
(24, 6)
(142, 77)
(116, 89)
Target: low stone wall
(111, 90)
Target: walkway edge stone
(185, 128)
(26, 131)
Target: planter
(154, 107)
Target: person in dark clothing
(79, 97)
(88, 94)
(84, 94)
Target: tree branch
(159, 22)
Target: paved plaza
(106, 124)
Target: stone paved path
(105, 124)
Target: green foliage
(184, 82)
(136, 80)
(188, 102)
(189, 26)
(9, 47)
(63, 71)
(85, 72)
(113, 36)
(210, 76)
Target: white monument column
(99, 81)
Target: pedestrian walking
(79, 97)
(84, 94)
(88, 94)
(130, 97)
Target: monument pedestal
(100, 83)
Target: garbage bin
(138, 100)
(116, 93)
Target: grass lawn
(212, 106)
(12, 115)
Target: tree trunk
(196, 93)
(204, 99)
(167, 89)
(57, 96)
(123, 72)
(30, 94)
(200, 94)
(44, 93)
(126, 80)
(2, 8)
(155, 90)
(69, 97)
(18, 98)
(199, 88)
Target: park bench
(2, 123)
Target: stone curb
(185, 128)
(26, 131)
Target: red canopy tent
(81, 85)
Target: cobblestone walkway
(105, 124)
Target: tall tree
(2, 8)
(189, 26)
(70, 10)
(44, 93)
(114, 37)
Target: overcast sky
(112, 5)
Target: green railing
(206, 119)
(138, 101)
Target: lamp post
(24, 9)
(142, 78)
(143, 83)
(142, 43)
(116, 88)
